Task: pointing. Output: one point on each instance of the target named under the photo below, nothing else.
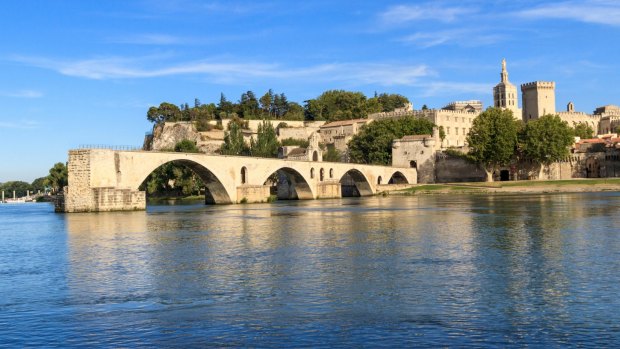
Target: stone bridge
(109, 180)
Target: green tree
(165, 112)
(249, 105)
(266, 144)
(266, 103)
(294, 112)
(186, 146)
(337, 105)
(492, 139)
(21, 188)
(373, 144)
(332, 154)
(546, 140)
(225, 107)
(58, 177)
(389, 102)
(617, 130)
(233, 141)
(583, 131)
(39, 184)
(442, 133)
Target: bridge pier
(253, 193)
(329, 190)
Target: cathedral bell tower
(505, 94)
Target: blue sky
(85, 72)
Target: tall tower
(538, 99)
(505, 94)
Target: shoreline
(513, 187)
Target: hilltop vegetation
(329, 106)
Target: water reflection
(466, 270)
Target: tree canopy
(266, 144)
(343, 105)
(583, 131)
(19, 187)
(546, 139)
(373, 144)
(234, 143)
(186, 146)
(492, 139)
(58, 177)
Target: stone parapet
(538, 84)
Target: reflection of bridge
(108, 180)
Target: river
(411, 271)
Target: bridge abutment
(83, 193)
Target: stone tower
(538, 99)
(505, 94)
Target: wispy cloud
(461, 37)
(233, 72)
(431, 11)
(159, 39)
(21, 124)
(148, 39)
(593, 11)
(22, 94)
(446, 88)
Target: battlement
(578, 114)
(538, 84)
(472, 101)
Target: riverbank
(514, 187)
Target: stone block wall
(452, 169)
(78, 195)
(112, 199)
(253, 193)
(329, 189)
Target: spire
(504, 74)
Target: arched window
(312, 173)
(315, 156)
(321, 175)
(413, 164)
(244, 175)
(379, 180)
(331, 173)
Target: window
(321, 175)
(312, 173)
(447, 130)
(379, 180)
(331, 173)
(456, 130)
(244, 175)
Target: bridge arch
(398, 178)
(215, 191)
(357, 182)
(298, 186)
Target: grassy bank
(514, 187)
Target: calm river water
(507, 271)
